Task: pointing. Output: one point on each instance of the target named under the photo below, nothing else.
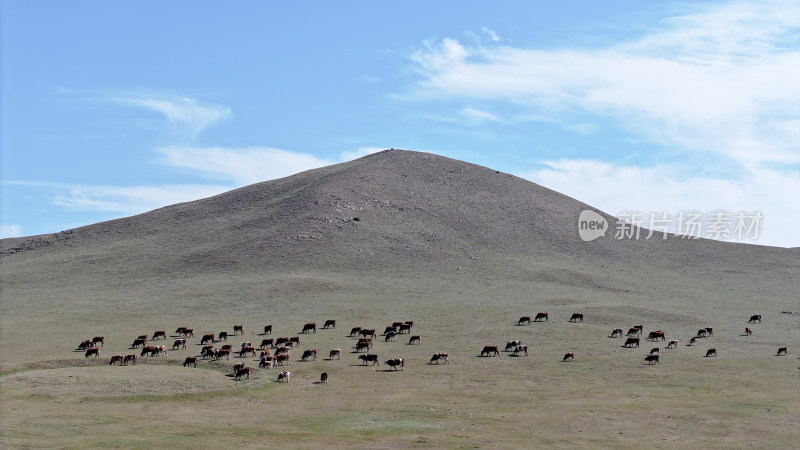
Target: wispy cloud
(183, 112)
(129, 199)
(8, 231)
(722, 80)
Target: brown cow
(219, 354)
(354, 331)
(129, 358)
(489, 349)
(394, 363)
(783, 351)
(652, 359)
(180, 330)
(160, 334)
(245, 350)
(268, 343)
(631, 342)
(634, 331)
(748, 331)
(711, 352)
(222, 336)
(656, 335)
(207, 338)
(391, 329)
(330, 323)
(312, 353)
(92, 351)
(616, 333)
(365, 333)
(191, 360)
(362, 346)
(238, 329)
(416, 338)
(241, 372)
(283, 357)
(281, 341)
(524, 320)
(569, 356)
(188, 332)
(337, 352)
(147, 350)
(309, 327)
(294, 340)
(117, 359)
(406, 327)
(542, 317)
(99, 339)
(577, 317)
(267, 329)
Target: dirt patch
(116, 380)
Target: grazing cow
(656, 335)
(267, 329)
(541, 317)
(324, 377)
(138, 342)
(439, 357)
(362, 345)
(755, 318)
(330, 323)
(511, 345)
(284, 376)
(309, 327)
(391, 336)
(672, 344)
(634, 332)
(783, 351)
(142, 336)
(160, 334)
(238, 329)
(365, 333)
(631, 342)
(616, 333)
(396, 324)
(85, 344)
(521, 349)
(129, 359)
(692, 341)
(368, 341)
(191, 360)
(404, 328)
(416, 338)
(577, 317)
(711, 352)
(337, 352)
(241, 372)
(640, 328)
(391, 329)
(489, 349)
(264, 353)
(99, 339)
(651, 359)
(268, 343)
(180, 330)
(368, 358)
(283, 349)
(118, 359)
(219, 354)
(158, 350)
(569, 356)
(294, 340)
(245, 350)
(147, 350)
(188, 332)
(179, 343)
(229, 347)
(223, 336)
(410, 323)
(354, 331)
(267, 362)
(238, 366)
(312, 354)
(207, 338)
(92, 351)
(281, 341)
(207, 351)
(748, 331)
(394, 363)
(283, 358)
(709, 331)
(655, 350)
(702, 332)
(524, 320)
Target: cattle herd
(276, 351)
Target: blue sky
(115, 108)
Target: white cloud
(129, 199)
(241, 165)
(8, 231)
(476, 116)
(722, 80)
(614, 188)
(184, 112)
